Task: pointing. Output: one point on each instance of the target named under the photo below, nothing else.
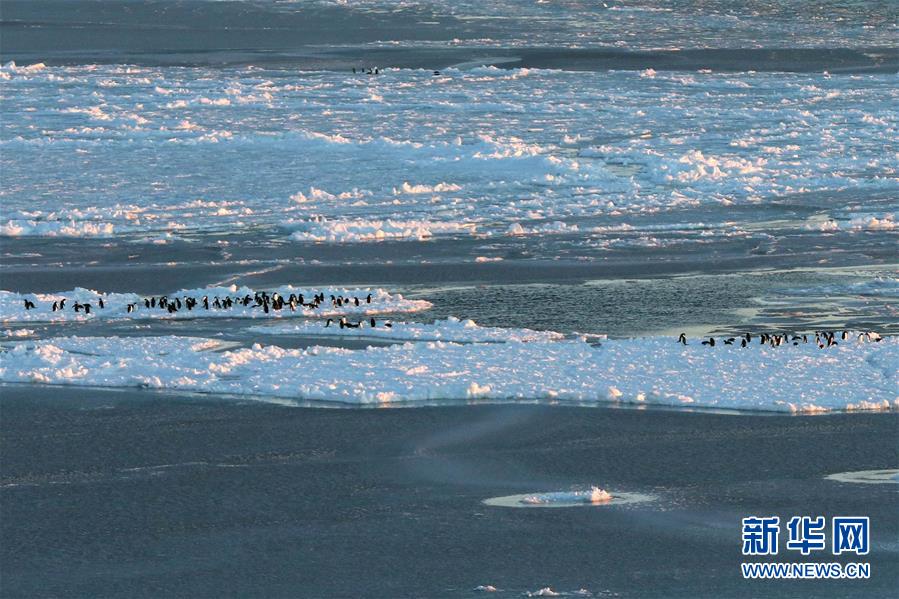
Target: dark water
(123, 494)
(435, 34)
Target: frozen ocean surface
(554, 172)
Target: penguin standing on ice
(682, 338)
(345, 324)
(29, 305)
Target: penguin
(62, 303)
(729, 341)
(682, 338)
(368, 299)
(743, 343)
(100, 303)
(55, 306)
(327, 324)
(344, 323)
(356, 299)
(29, 305)
(87, 308)
(710, 342)
(372, 321)
(130, 308)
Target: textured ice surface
(851, 376)
(608, 157)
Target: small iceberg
(583, 497)
(594, 495)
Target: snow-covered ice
(652, 371)
(339, 167)
(116, 304)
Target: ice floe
(652, 371)
(361, 230)
(116, 305)
(867, 477)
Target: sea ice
(651, 371)
(116, 304)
